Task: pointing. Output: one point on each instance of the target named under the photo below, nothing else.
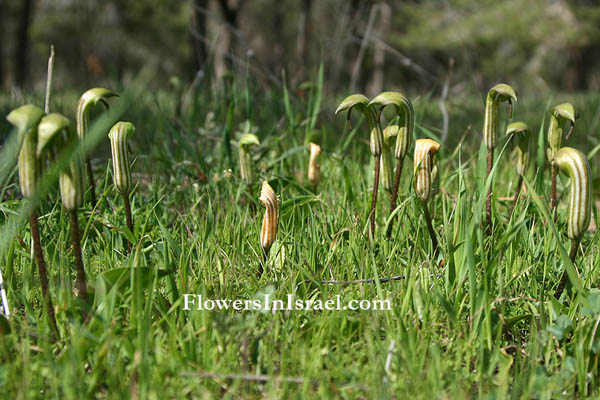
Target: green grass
(484, 324)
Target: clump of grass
(314, 168)
(575, 164)
(268, 231)
(406, 121)
(59, 129)
(27, 119)
(86, 103)
(119, 136)
(425, 150)
(559, 116)
(361, 103)
(520, 135)
(496, 95)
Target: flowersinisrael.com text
(193, 302)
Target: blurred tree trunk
(199, 37)
(376, 83)
(277, 53)
(227, 42)
(2, 13)
(21, 49)
(304, 28)
(357, 67)
(573, 74)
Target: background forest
(540, 45)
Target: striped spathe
(268, 230)
(314, 168)
(425, 150)
(119, 135)
(575, 164)
(87, 101)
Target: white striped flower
(26, 119)
(361, 103)
(71, 178)
(425, 150)
(314, 168)
(268, 230)
(521, 137)
(119, 135)
(405, 121)
(559, 115)
(87, 101)
(574, 163)
(404, 110)
(496, 95)
(246, 166)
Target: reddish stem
(395, 195)
(39, 256)
(374, 196)
(76, 240)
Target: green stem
(395, 195)
(91, 182)
(565, 276)
(553, 197)
(39, 255)
(374, 196)
(251, 203)
(434, 241)
(128, 217)
(488, 200)
(517, 194)
(76, 240)
(263, 261)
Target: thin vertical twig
(49, 80)
(443, 97)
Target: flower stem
(249, 193)
(488, 200)
(91, 182)
(39, 255)
(128, 216)
(434, 241)
(565, 276)
(395, 194)
(263, 261)
(517, 194)
(76, 240)
(553, 198)
(374, 196)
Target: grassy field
(482, 323)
